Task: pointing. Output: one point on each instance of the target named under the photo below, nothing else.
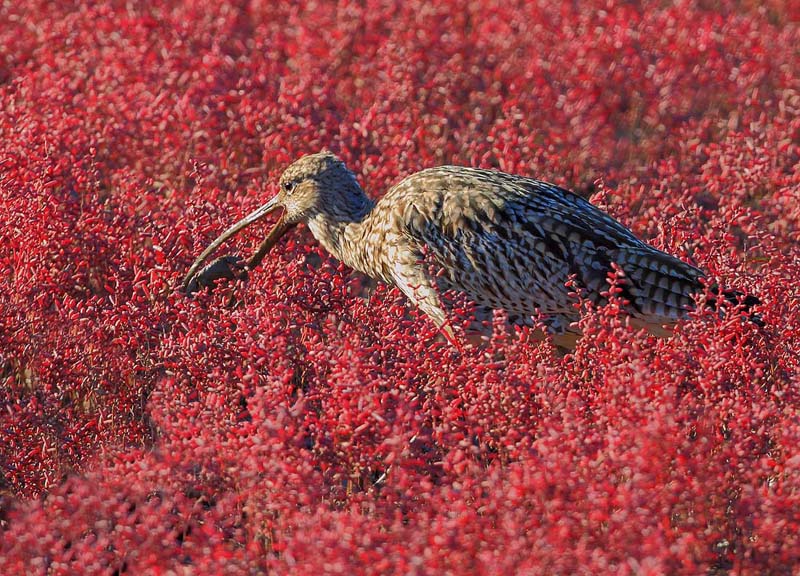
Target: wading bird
(507, 242)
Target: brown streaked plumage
(505, 241)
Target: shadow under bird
(507, 242)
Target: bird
(505, 241)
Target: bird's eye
(289, 186)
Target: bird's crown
(314, 166)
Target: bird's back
(513, 242)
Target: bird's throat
(345, 241)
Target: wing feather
(513, 242)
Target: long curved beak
(274, 235)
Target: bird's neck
(346, 237)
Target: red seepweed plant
(311, 423)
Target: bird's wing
(513, 242)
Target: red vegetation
(309, 430)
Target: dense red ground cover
(310, 431)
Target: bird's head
(315, 187)
(320, 184)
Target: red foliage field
(310, 430)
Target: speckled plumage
(505, 241)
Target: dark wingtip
(738, 298)
(748, 303)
